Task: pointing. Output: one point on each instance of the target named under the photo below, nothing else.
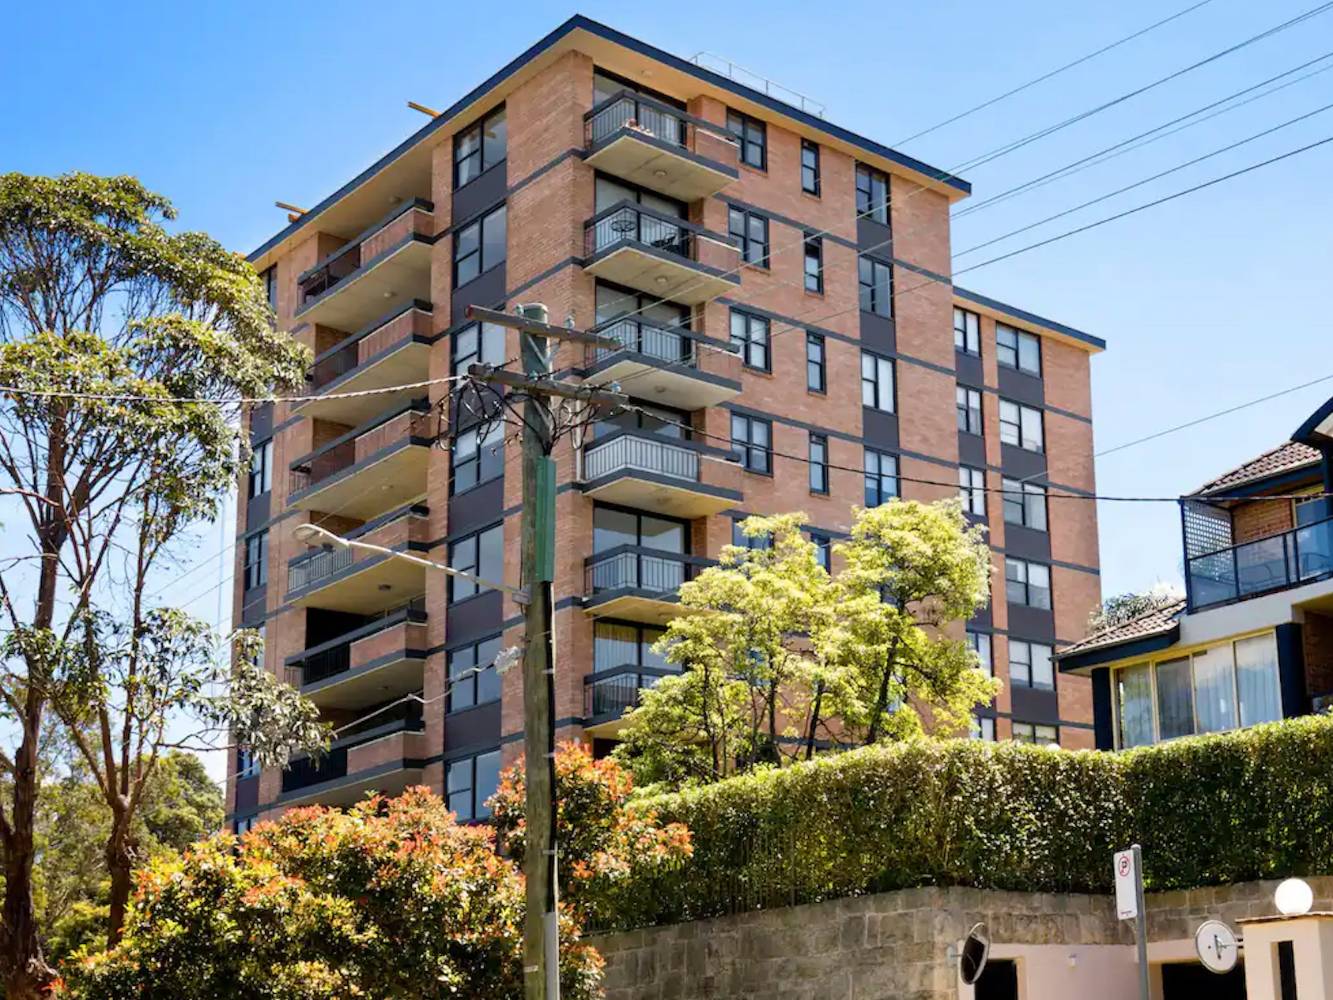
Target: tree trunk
(881, 702)
(120, 863)
(26, 973)
(814, 721)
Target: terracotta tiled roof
(1146, 625)
(1283, 458)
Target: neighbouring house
(1252, 640)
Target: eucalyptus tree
(125, 348)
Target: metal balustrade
(317, 566)
(328, 659)
(631, 453)
(306, 771)
(628, 222)
(614, 692)
(660, 343)
(1294, 557)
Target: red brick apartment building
(761, 265)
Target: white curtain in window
(1134, 688)
(1175, 700)
(1256, 677)
(1215, 689)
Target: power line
(1053, 73)
(118, 397)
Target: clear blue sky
(1205, 302)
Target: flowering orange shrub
(389, 899)
(603, 842)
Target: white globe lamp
(1294, 897)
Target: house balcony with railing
(369, 469)
(637, 583)
(609, 694)
(661, 254)
(385, 753)
(384, 268)
(393, 350)
(669, 365)
(383, 659)
(360, 582)
(656, 146)
(667, 475)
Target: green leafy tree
(107, 319)
(388, 899)
(1121, 608)
(780, 658)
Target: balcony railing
(630, 110)
(611, 693)
(629, 222)
(411, 421)
(331, 766)
(1294, 557)
(412, 217)
(675, 347)
(632, 567)
(328, 659)
(347, 355)
(635, 453)
(321, 564)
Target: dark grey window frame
(749, 345)
(1010, 355)
(481, 225)
(739, 226)
(819, 463)
(469, 588)
(472, 683)
(751, 138)
(810, 167)
(876, 495)
(480, 153)
(476, 807)
(746, 448)
(813, 251)
(966, 410)
(969, 332)
(816, 368)
(255, 566)
(867, 290)
(1030, 510)
(865, 194)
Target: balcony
(360, 582)
(658, 147)
(673, 366)
(383, 659)
(385, 754)
(639, 469)
(370, 469)
(393, 350)
(636, 583)
(385, 267)
(1279, 562)
(660, 254)
(609, 694)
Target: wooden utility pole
(541, 934)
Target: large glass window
(619, 644)
(478, 456)
(752, 441)
(1034, 732)
(980, 643)
(750, 335)
(1027, 583)
(1017, 349)
(881, 472)
(613, 526)
(1175, 699)
(966, 331)
(876, 382)
(1021, 426)
(472, 677)
(809, 167)
(481, 554)
(751, 138)
(814, 264)
(480, 147)
(872, 194)
(1024, 503)
(1215, 690)
(1134, 698)
(469, 782)
(1030, 664)
(969, 410)
(256, 560)
(1257, 688)
(972, 488)
(875, 280)
(816, 367)
(261, 469)
(657, 420)
(818, 463)
(750, 231)
(478, 344)
(480, 246)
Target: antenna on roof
(423, 109)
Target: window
(270, 279)
(1027, 583)
(823, 551)
(247, 766)
(244, 824)
(1233, 684)
(816, 371)
(620, 644)
(478, 456)
(751, 139)
(1024, 503)
(481, 554)
(1017, 349)
(1021, 426)
(468, 685)
(480, 147)
(814, 264)
(876, 282)
(758, 543)
(750, 231)
(1030, 732)
(969, 410)
(818, 463)
(872, 194)
(1311, 510)
(810, 167)
(613, 527)
(480, 246)
(261, 469)
(478, 344)
(972, 488)
(657, 420)
(1030, 664)
(980, 644)
(752, 441)
(876, 382)
(983, 728)
(256, 560)
(749, 333)
(469, 782)
(966, 331)
(881, 471)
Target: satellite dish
(1216, 945)
(975, 951)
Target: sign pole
(1129, 904)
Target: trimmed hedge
(1256, 803)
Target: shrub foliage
(1207, 810)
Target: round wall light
(1294, 897)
